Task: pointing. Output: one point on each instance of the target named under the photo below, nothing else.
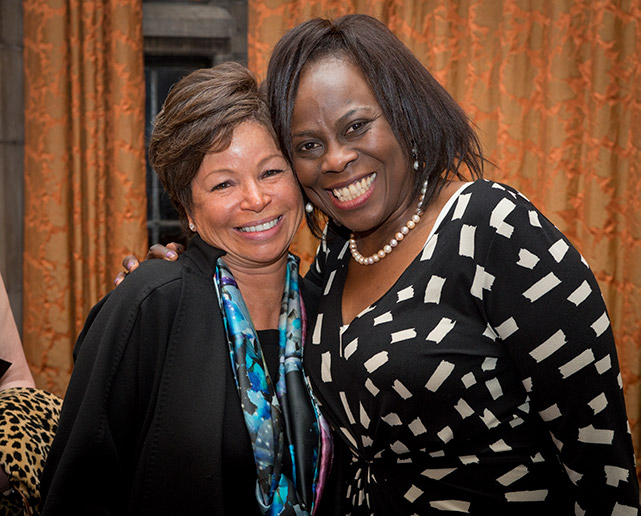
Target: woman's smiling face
(345, 153)
(246, 200)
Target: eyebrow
(303, 134)
(350, 113)
(276, 155)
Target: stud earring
(192, 227)
(309, 207)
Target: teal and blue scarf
(281, 420)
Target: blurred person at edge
(187, 394)
(462, 352)
(12, 359)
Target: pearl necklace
(398, 237)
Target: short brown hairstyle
(199, 116)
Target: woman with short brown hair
(187, 394)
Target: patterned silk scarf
(274, 415)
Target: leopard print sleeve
(28, 422)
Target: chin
(267, 257)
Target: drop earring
(415, 158)
(423, 192)
(309, 207)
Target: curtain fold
(555, 91)
(85, 193)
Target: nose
(255, 197)
(337, 157)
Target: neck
(370, 248)
(262, 290)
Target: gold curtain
(555, 90)
(85, 199)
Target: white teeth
(356, 189)
(260, 227)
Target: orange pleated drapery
(555, 91)
(85, 199)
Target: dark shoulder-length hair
(198, 117)
(423, 116)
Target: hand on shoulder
(169, 253)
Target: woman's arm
(546, 306)
(18, 374)
(93, 459)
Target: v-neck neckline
(340, 272)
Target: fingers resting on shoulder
(169, 252)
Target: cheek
(296, 195)
(292, 195)
(305, 172)
(287, 191)
(210, 212)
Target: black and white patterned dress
(485, 381)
